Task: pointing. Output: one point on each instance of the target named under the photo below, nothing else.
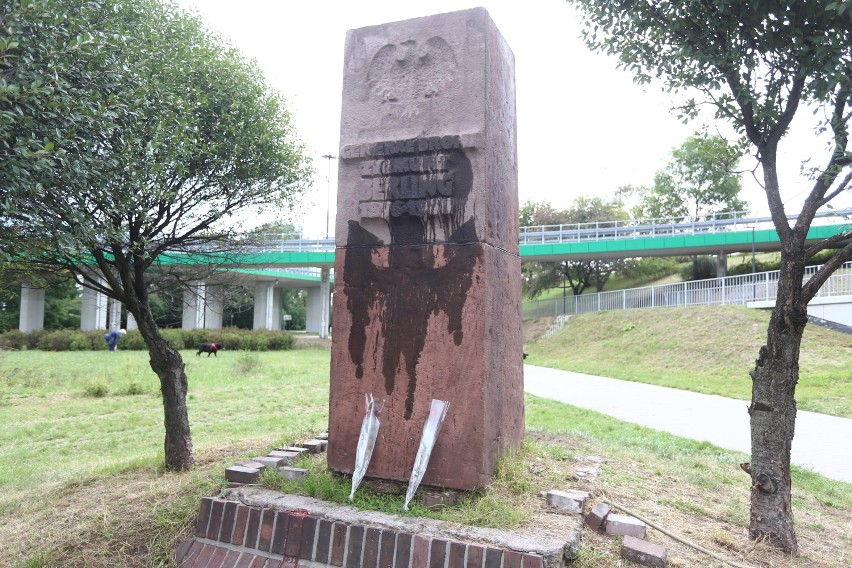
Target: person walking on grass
(113, 337)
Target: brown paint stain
(421, 279)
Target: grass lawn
(82, 485)
(707, 349)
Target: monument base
(424, 322)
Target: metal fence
(761, 286)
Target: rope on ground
(670, 535)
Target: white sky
(584, 128)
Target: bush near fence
(75, 340)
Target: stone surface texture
(572, 501)
(643, 552)
(427, 272)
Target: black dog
(209, 348)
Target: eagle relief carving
(409, 72)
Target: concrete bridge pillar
(193, 306)
(93, 310)
(131, 322)
(721, 264)
(31, 316)
(267, 306)
(214, 307)
(114, 314)
(318, 306)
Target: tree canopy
(756, 64)
(701, 179)
(130, 132)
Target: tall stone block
(427, 272)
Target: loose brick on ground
(572, 501)
(597, 516)
(242, 474)
(624, 525)
(643, 552)
(293, 473)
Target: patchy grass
(707, 349)
(82, 482)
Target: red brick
(228, 519)
(191, 554)
(289, 562)
(624, 525)
(259, 562)
(266, 526)
(183, 549)
(354, 546)
(420, 552)
(457, 550)
(492, 557)
(242, 474)
(403, 549)
(338, 545)
(386, 548)
(203, 517)
(438, 553)
(253, 526)
(643, 552)
(215, 520)
(597, 516)
(309, 529)
(231, 559)
(245, 560)
(204, 556)
(294, 535)
(217, 558)
(371, 548)
(239, 535)
(533, 561)
(512, 559)
(323, 541)
(279, 537)
(475, 554)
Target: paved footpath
(822, 443)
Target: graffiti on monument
(420, 187)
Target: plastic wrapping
(366, 440)
(437, 413)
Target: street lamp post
(328, 157)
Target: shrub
(280, 341)
(701, 268)
(57, 340)
(96, 390)
(13, 340)
(133, 341)
(134, 388)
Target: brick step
(253, 527)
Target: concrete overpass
(269, 266)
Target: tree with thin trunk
(758, 64)
(130, 137)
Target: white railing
(758, 287)
(576, 232)
(663, 227)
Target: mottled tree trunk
(773, 412)
(168, 364)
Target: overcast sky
(584, 128)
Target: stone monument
(427, 273)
